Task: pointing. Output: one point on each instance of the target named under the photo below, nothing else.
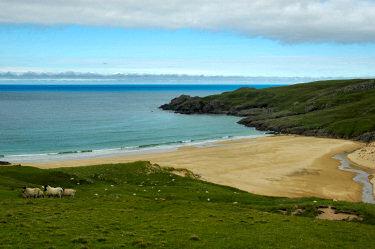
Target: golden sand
(290, 166)
(364, 156)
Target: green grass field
(138, 205)
(339, 108)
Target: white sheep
(69, 192)
(32, 192)
(40, 193)
(49, 191)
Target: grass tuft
(80, 240)
(141, 243)
(194, 238)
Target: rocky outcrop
(193, 105)
(189, 105)
(357, 88)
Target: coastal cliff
(337, 108)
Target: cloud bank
(147, 79)
(284, 66)
(290, 21)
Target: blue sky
(54, 45)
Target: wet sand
(290, 166)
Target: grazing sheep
(32, 192)
(54, 192)
(40, 193)
(69, 192)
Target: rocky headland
(337, 109)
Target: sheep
(53, 191)
(32, 192)
(40, 193)
(69, 192)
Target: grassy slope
(339, 108)
(177, 216)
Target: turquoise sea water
(43, 123)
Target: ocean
(67, 122)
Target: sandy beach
(364, 156)
(290, 166)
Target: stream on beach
(361, 177)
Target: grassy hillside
(138, 205)
(337, 108)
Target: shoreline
(122, 151)
(282, 165)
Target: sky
(316, 38)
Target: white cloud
(290, 21)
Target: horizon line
(119, 75)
